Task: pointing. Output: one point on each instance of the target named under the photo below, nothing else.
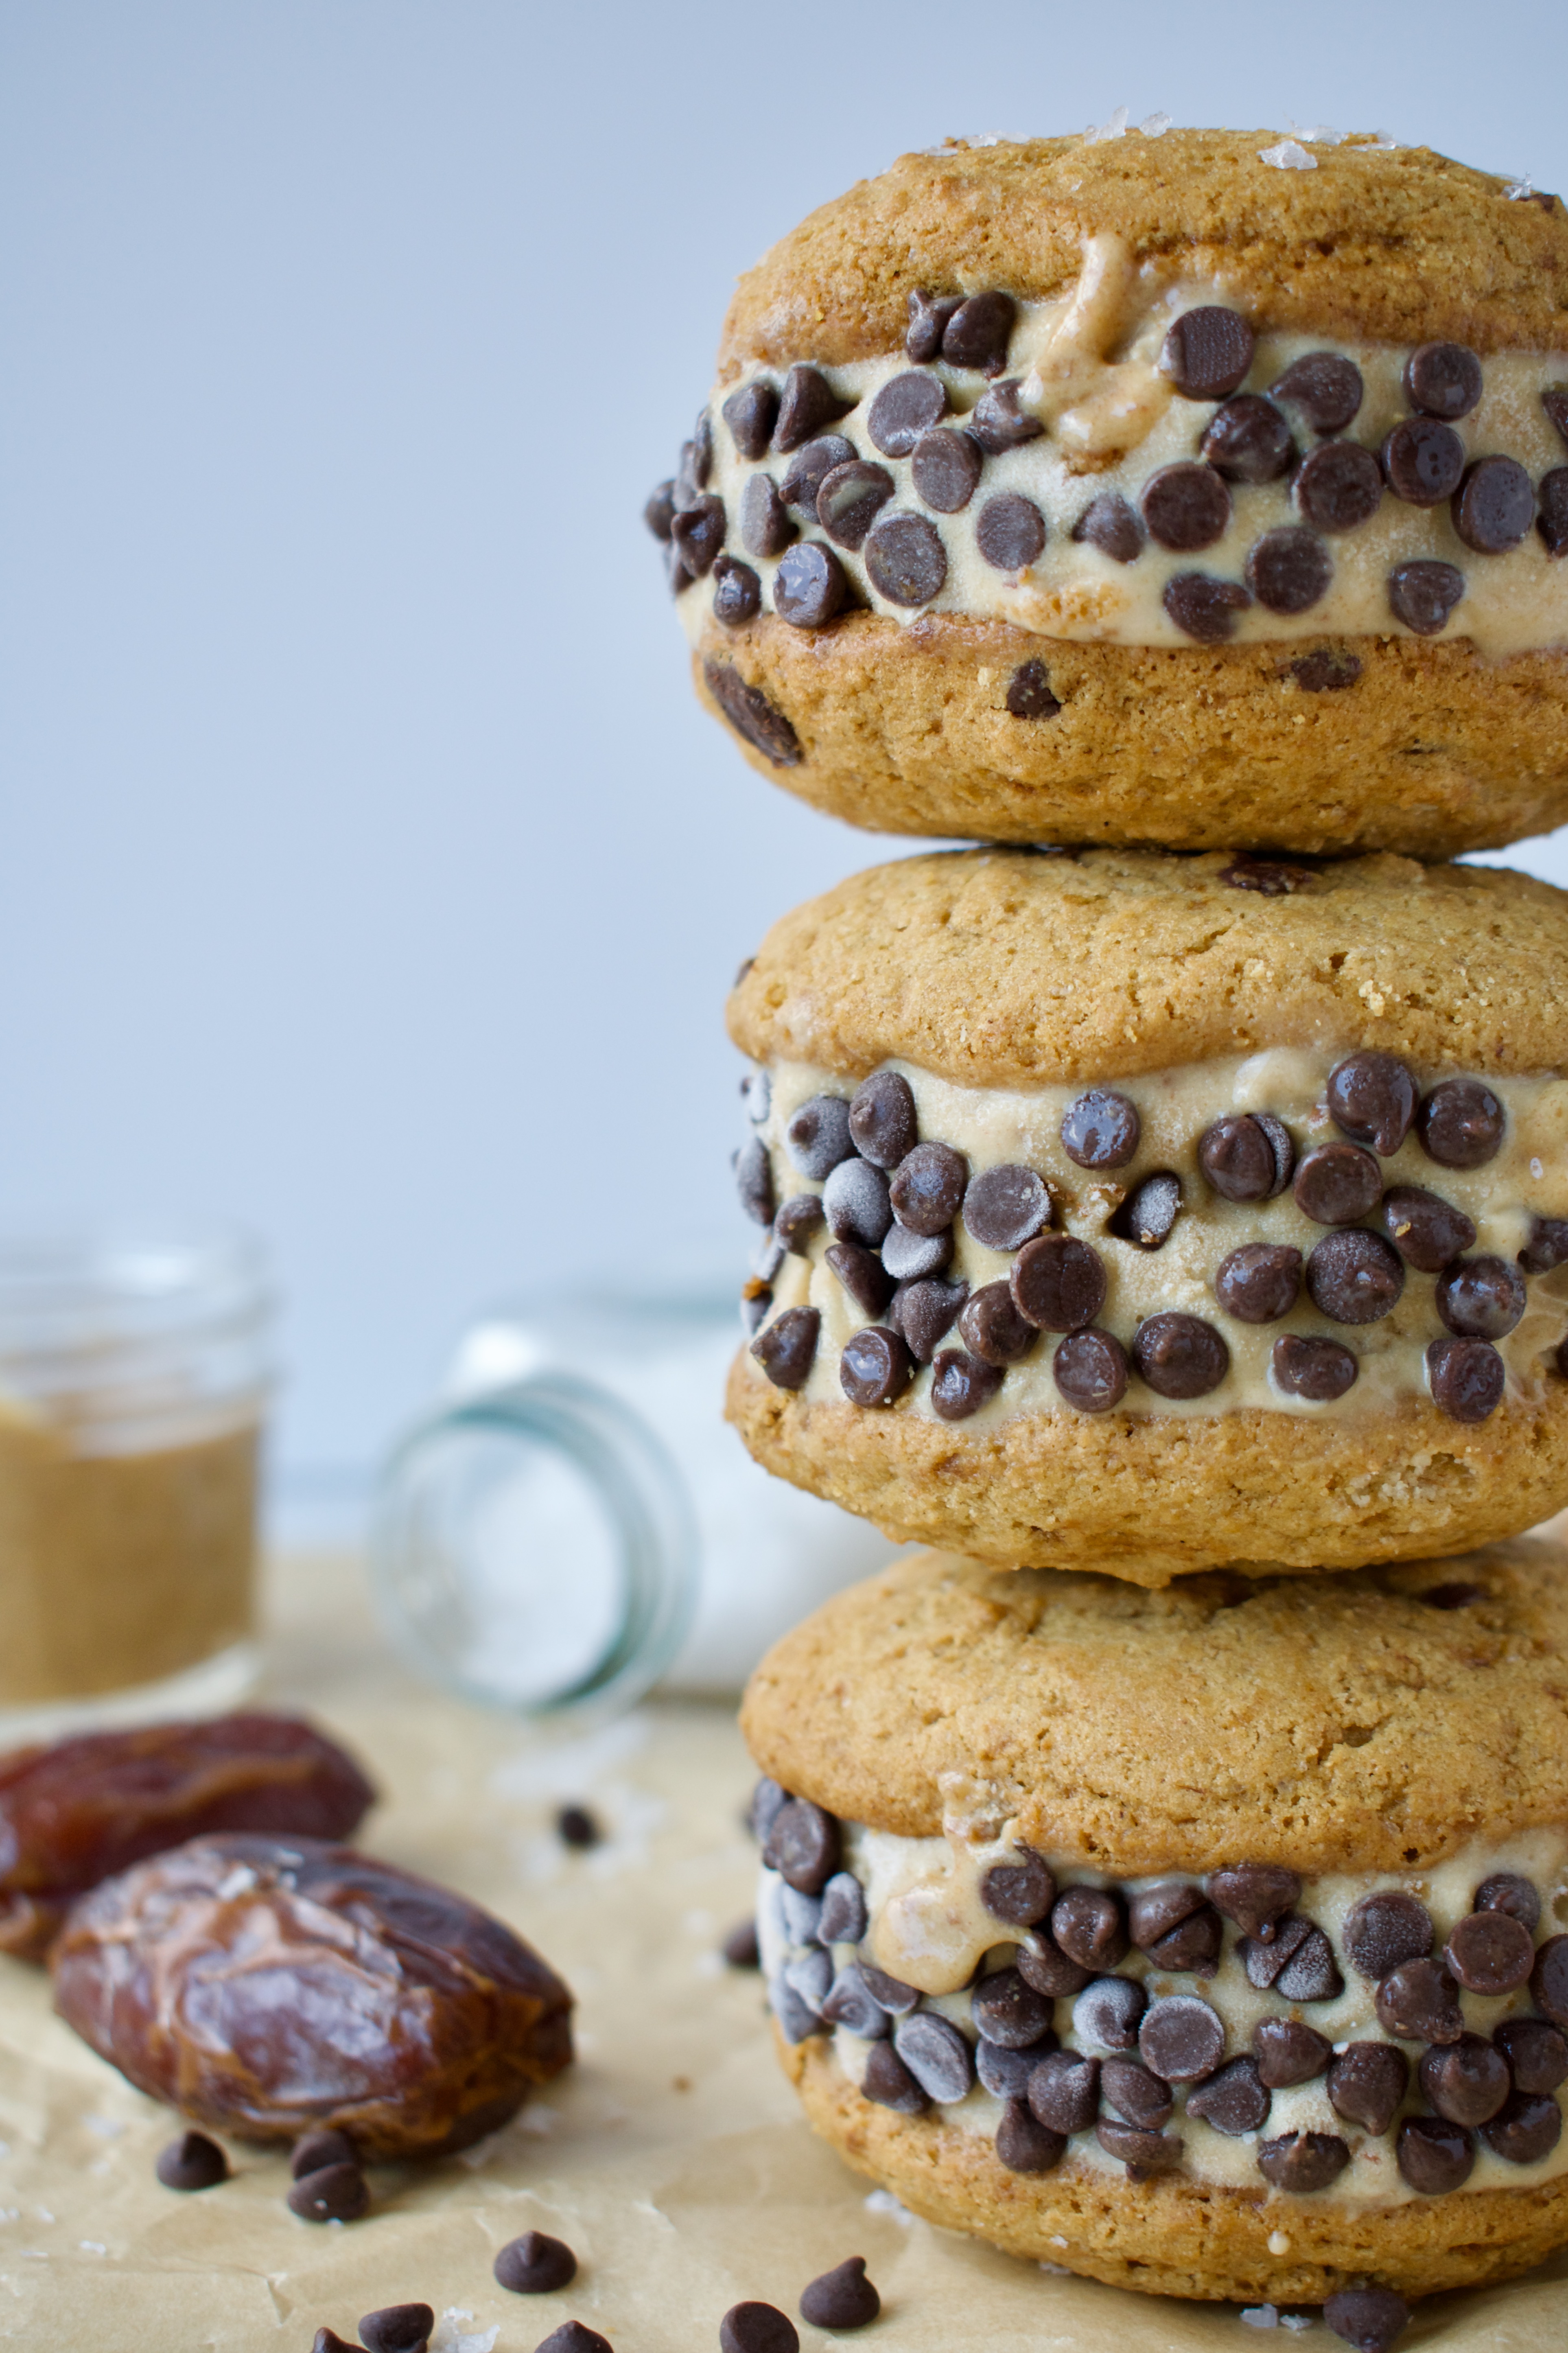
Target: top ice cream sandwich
(1205, 490)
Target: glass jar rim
(66, 1291)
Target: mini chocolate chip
(315, 2149)
(1233, 2101)
(1423, 596)
(1546, 1249)
(1289, 570)
(1247, 440)
(1372, 2319)
(334, 2193)
(1366, 2084)
(1006, 1206)
(976, 333)
(1288, 2053)
(1203, 609)
(1137, 2097)
(1303, 2161)
(574, 2336)
(1467, 2081)
(1549, 1980)
(962, 1384)
(928, 320)
(997, 422)
(753, 718)
(740, 1949)
(1108, 2013)
(1386, 1929)
(875, 1366)
(1108, 523)
(841, 2299)
(1010, 532)
(936, 2053)
(1466, 1379)
(1020, 1892)
(1327, 669)
(796, 1221)
(1185, 507)
(1325, 386)
(1259, 1282)
(1457, 1594)
(1551, 523)
(1483, 1297)
(945, 468)
(1254, 1894)
(1247, 1158)
(1269, 876)
(850, 2002)
(1354, 1277)
(1336, 1184)
(1090, 1368)
(1495, 505)
(192, 2162)
(1318, 1370)
(906, 407)
(806, 403)
(882, 1120)
(758, 2328)
(398, 2328)
(928, 1187)
(660, 511)
(1007, 2011)
(576, 1827)
(1554, 401)
(850, 499)
(905, 559)
(1143, 2153)
(910, 1257)
(534, 2265)
(1024, 2145)
(810, 469)
(1047, 1968)
(1434, 2156)
(1419, 2003)
(737, 598)
(802, 1845)
(1422, 462)
(1148, 1216)
(992, 1328)
(1207, 351)
(1339, 487)
(863, 1276)
(754, 1181)
(1371, 1099)
(1507, 1891)
(1180, 1355)
(1427, 1231)
(1088, 1925)
(1443, 380)
(1180, 2038)
(809, 586)
(818, 1135)
(1536, 2054)
(1526, 2128)
(698, 532)
(1030, 692)
(855, 1203)
(751, 415)
(1460, 1123)
(1059, 1282)
(923, 1313)
(1064, 2091)
(1101, 1130)
(843, 1918)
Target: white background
(367, 870)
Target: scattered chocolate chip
(1546, 1249)
(1289, 570)
(1372, 2319)
(911, 1257)
(875, 1366)
(1423, 596)
(576, 1826)
(1247, 1158)
(1526, 2128)
(802, 1845)
(1143, 2153)
(850, 499)
(1434, 2156)
(1303, 2161)
(1336, 1184)
(327, 2340)
(1495, 505)
(1551, 523)
(751, 415)
(1108, 2013)
(741, 1951)
(1180, 1355)
(976, 333)
(1180, 2038)
(1007, 2011)
(811, 467)
(1137, 2097)
(1207, 351)
(334, 2193)
(315, 2149)
(1325, 386)
(936, 2053)
(1259, 1282)
(1443, 380)
(962, 1384)
(998, 424)
(1549, 1980)
(841, 2299)
(1233, 2101)
(882, 1121)
(1419, 2003)
(1482, 1297)
(1101, 1130)
(534, 2265)
(1006, 1206)
(659, 513)
(1020, 1892)
(1030, 692)
(1177, 1927)
(1536, 2054)
(1203, 609)
(905, 559)
(1090, 1368)
(809, 586)
(398, 2328)
(738, 595)
(1254, 1894)
(1288, 2053)
(906, 407)
(1507, 1891)
(927, 1187)
(945, 468)
(1423, 463)
(1064, 2091)
(1318, 1370)
(1460, 1123)
(1010, 532)
(751, 715)
(1149, 1214)
(1024, 2145)
(1089, 1927)
(855, 1203)
(785, 1350)
(1386, 1929)
(1427, 1231)
(698, 532)
(1467, 2081)
(1466, 1379)
(758, 2328)
(796, 1221)
(572, 2336)
(991, 1326)
(1354, 1277)
(1366, 2084)
(843, 1915)
(1247, 440)
(1371, 1099)
(192, 2162)
(929, 316)
(754, 1181)
(924, 1313)
(806, 403)
(1185, 506)
(1338, 488)
(863, 1276)
(1327, 669)
(1059, 1282)
(1108, 523)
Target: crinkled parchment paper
(672, 2156)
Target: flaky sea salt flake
(1287, 155)
(1382, 143)
(1319, 133)
(1154, 126)
(1260, 2315)
(1115, 128)
(1519, 188)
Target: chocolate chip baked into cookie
(1208, 1942)
(1141, 1211)
(1201, 489)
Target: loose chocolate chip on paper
(751, 415)
(1090, 1926)
(1101, 1130)
(1551, 523)
(572, 2336)
(809, 586)
(1006, 1206)
(1289, 570)
(316, 2149)
(1020, 1892)
(924, 1313)
(850, 500)
(1246, 1157)
(927, 1187)
(1460, 1123)
(534, 2265)
(1288, 2052)
(1059, 1282)
(962, 1384)
(998, 424)
(1180, 1355)
(1526, 2128)
(1371, 1099)
(796, 1220)
(1303, 2162)
(1482, 1297)
(699, 533)
(754, 1181)
(660, 511)
(1336, 1184)
(1466, 1379)
(741, 1951)
(787, 1349)
(327, 2340)
(1419, 2003)
(906, 407)
(1203, 609)
(1423, 596)
(1366, 2084)
(1135, 2095)
(936, 2053)
(398, 2328)
(945, 468)
(751, 715)
(1108, 523)
(1434, 2156)
(1010, 532)
(1007, 2011)
(192, 2162)
(882, 1120)
(1254, 1894)
(929, 316)
(1185, 507)
(1547, 1247)
(335, 2193)
(875, 1366)
(811, 467)
(1327, 669)
(855, 1203)
(1024, 2145)
(1422, 462)
(841, 2299)
(1354, 1277)
(1148, 1216)
(976, 335)
(576, 1827)
(1549, 1980)
(1233, 2101)
(1090, 1368)
(905, 560)
(1495, 505)
(1507, 1891)
(1325, 386)
(1247, 440)
(1207, 351)
(1537, 2053)
(1467, 2081)
(1371, 2319)
(806, 404)
(911, 1257)
(991, 1326)
(738, 592)
(1259, 1282)
(758, 2328)
(863, 1276)
(1030, 692)
(1339, 487)
(1443, 380)
(1064, 2091)
(1427, 1231)
(1318, 1370)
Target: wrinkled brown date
(72, 1814)
(270, 1986)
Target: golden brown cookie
(1201, 489)
(1209, 1942)
(1142, 1212)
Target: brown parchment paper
(672, 2156)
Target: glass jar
(134, 1378)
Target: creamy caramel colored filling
(1087, 371)
(1527, 1178)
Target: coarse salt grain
(1154, 126)
(1116, 128)
(1297, 2320)
(1319, 133)
(1287, 155)
(449, 2336)
(1522, 186)
(882, 2201)
(1536, 1170)
(1260, 2315)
